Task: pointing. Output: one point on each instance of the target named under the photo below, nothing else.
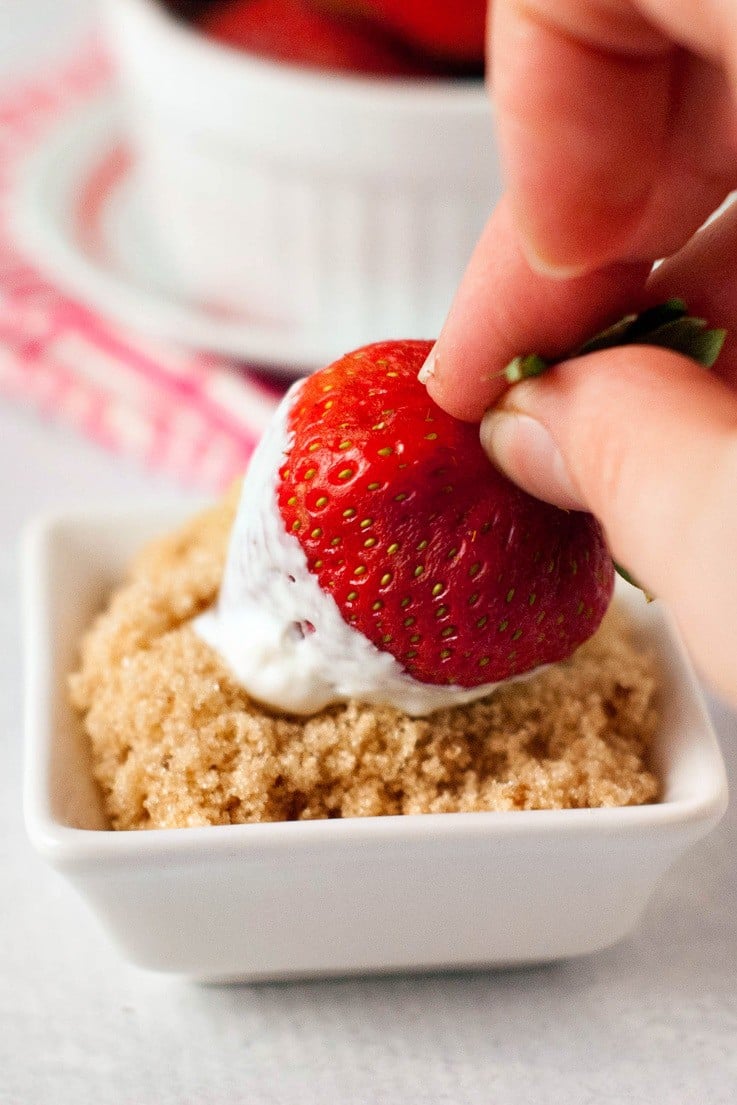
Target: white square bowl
(334, 897)
(297, 197)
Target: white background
(653, 1021)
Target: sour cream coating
(280, 634)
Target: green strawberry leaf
(690, 337)
(668, 325)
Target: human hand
(643, 438)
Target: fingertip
(446, 397)
(503, 309)
(457, 378)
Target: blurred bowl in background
(342, 206)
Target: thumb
(647, 441)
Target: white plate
(340, 896)
(77, 215)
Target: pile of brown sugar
(177, 742)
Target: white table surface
(653, 1021)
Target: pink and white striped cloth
(193, 415)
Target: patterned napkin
(195, 416)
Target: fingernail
(541, 262)
(550, 269)
(427, 371)
(522, 448)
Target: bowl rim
(451, 93)
(65, 845)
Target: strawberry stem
(523, 368)
(668, 326)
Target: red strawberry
(293, 32)
(454, 30)
(427, 550)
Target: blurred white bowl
(340, 205)
(340, 896)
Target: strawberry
(291, 31)
(427, 551)
(452, 31)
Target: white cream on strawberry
(282, 636)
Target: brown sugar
(177, 742)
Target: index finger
(504, 308)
